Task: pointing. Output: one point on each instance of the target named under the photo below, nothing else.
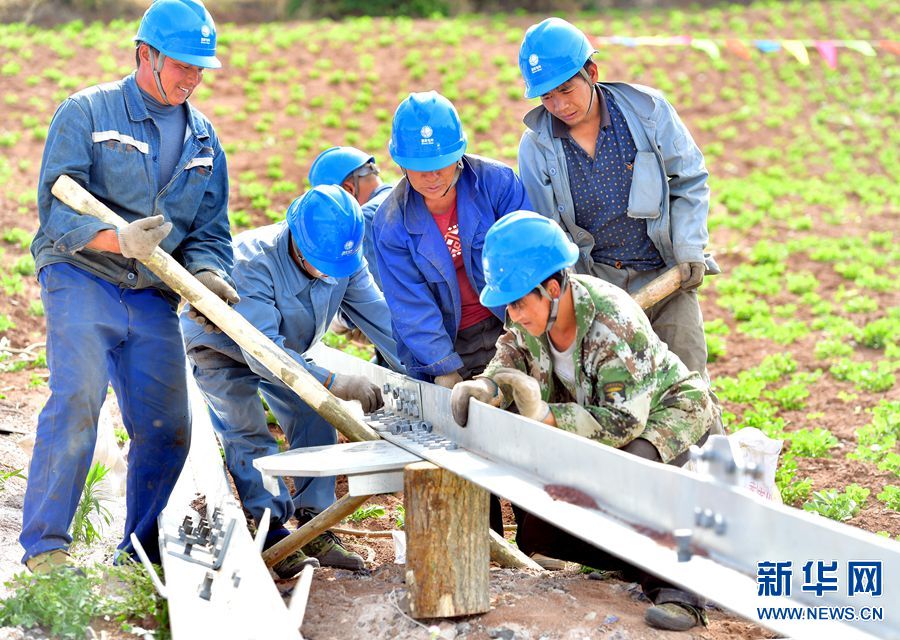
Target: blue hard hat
(521, 250)
(182, 30)
(326, 224)
(335, 165)
(552, 52)
(426, 134)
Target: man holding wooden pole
(293, 278)
(141, 148)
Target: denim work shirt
(668, 187)
(378, 196)
(419, 278)
(104, 138)
(292, 308)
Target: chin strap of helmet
(456, 174)
(156, 64)
(587, 78)
(554, 302)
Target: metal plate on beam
(370, 484)
(331, 460)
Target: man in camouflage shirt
(580, 354)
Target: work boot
(293, 564)
(46, 562)
(674, 616)
(330, 552)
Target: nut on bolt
(683, 544)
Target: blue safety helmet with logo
(552, 52)
(521, 250)
(326, 225)
(426, 133)
(335, 165)
(182, 30)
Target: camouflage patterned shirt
(627, 382)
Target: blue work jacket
(292, 308)
(417, 273)
(668, 186)
(104, 138)
(379, 195)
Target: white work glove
(214, 282)
(526, 392)
(448, 380)
(350, 387)
(139, 238)
(483, 389)
(691, 274)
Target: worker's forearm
(106, 240)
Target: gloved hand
(483, 389)
(214, 282)
(350, 387)
(448, 380)
(691, 274)
(139, 238)
(526, 392)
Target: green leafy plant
(840, 506)
(812, 444)
(793, 491)
(91, 505)
(364, 513)
(890, 497)
(400, 516)
(6, 475)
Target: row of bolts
(404, 419)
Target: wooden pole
(341, 508)
(509, 556)
(447, 554)
(232, 323)
(658, 289)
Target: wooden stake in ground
(447, 555)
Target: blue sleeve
(207, 245)
(688, 191)
(365, 305)
(533, 174)
(422, 341)
(258, 306)
(512, 194)
(68, 151)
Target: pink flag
(828, 50)
(890, 45)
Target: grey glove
(139, 238)
(350, 387)
(448, 380)
(483, 389)
(526, 392)
(214, 282)
(691, 274)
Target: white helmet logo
(426, 131)
(348, 245)
(204, 31)
(533, 60)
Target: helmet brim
(340, 268)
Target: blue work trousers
(99, 333)
(232, 391)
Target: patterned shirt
(600, 188)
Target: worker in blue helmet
(428, 236)
(293, 277)
(580, 354)
(616, 167)
(357, 173)
(139, 146)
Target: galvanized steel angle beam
(650, 514)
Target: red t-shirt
(472, 310)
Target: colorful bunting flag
(860, 46)
(743, 48)
(828, 50)
(797, 49)
(707, 46)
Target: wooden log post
(447, 551)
